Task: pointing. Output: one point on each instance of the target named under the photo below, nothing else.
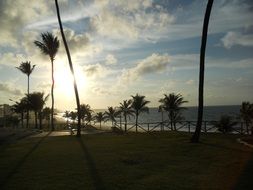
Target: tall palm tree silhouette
(196, 135)
(99, 117)
(172, 104)
(27, 69)
(126, 109)
(20, 107)
(49, 46)
(78, 134)
(111, 114)
(246, 113)
(36, 101)
(139, 105)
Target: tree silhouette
(111, 114)
(246, 113)
(27, 69)
(85, 111)
(139, 105)
(67, 116)
(196, 135)
(126, 109)
(78, 134)
(49, 46)
(46, 112)
(36, 101)
(99, 117)
(172, 104)
(225, 124)
(20, 107)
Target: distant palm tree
(27, 69)
(46, 112)
(126, 109)
(36, 101)
(225, 124)
(78, 134)
(196, 135)
(246, 113)
(139, 105)
(99, 117)
(73, 116)
(111, 115)
(49, 46)
(20, 107)
(67, 116)
(85, 111)
(172, 104)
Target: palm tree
(67, 116)
(246, 113)
(46, 112)
(27, 69)
(111, 114)
(99, 117)
(20, 107)
(196, 135)
(126, 109)
(225, 124)
(78, 134)
(73, 116)
(172, 104)
(36, 102)
(139, 105)
(49, 46)
(85, 111)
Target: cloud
(130, 19)
(153, 64)
(96, 71)
(236, 38)
(190, 82)
(15, 15)
(111, 60)
(7, 88)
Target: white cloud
(96, 71)
(236, 38)
(153, 64)
(8, 88)
(130, 19)
(111, 60)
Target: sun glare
(64, 81)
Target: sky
(120, 48)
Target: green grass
(132, 161)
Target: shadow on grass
(224, 147)
(5, 179)
(245, 180)
(97, 181)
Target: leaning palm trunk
(52, 95)
(72, 70)
(196, 135)
(125, 122)
(27, 113)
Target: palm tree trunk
(36, 119)
(136, 122)
(125, 123)
(22, 119)
(100, 124)
(196, 135)
(27, 113)
(52, 95)
(78, 134)
(40, 120)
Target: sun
(64, 81)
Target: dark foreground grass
(132, 161)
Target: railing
(187, 126)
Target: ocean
(211, 113)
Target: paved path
(67, 133)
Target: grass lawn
(132, 161)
